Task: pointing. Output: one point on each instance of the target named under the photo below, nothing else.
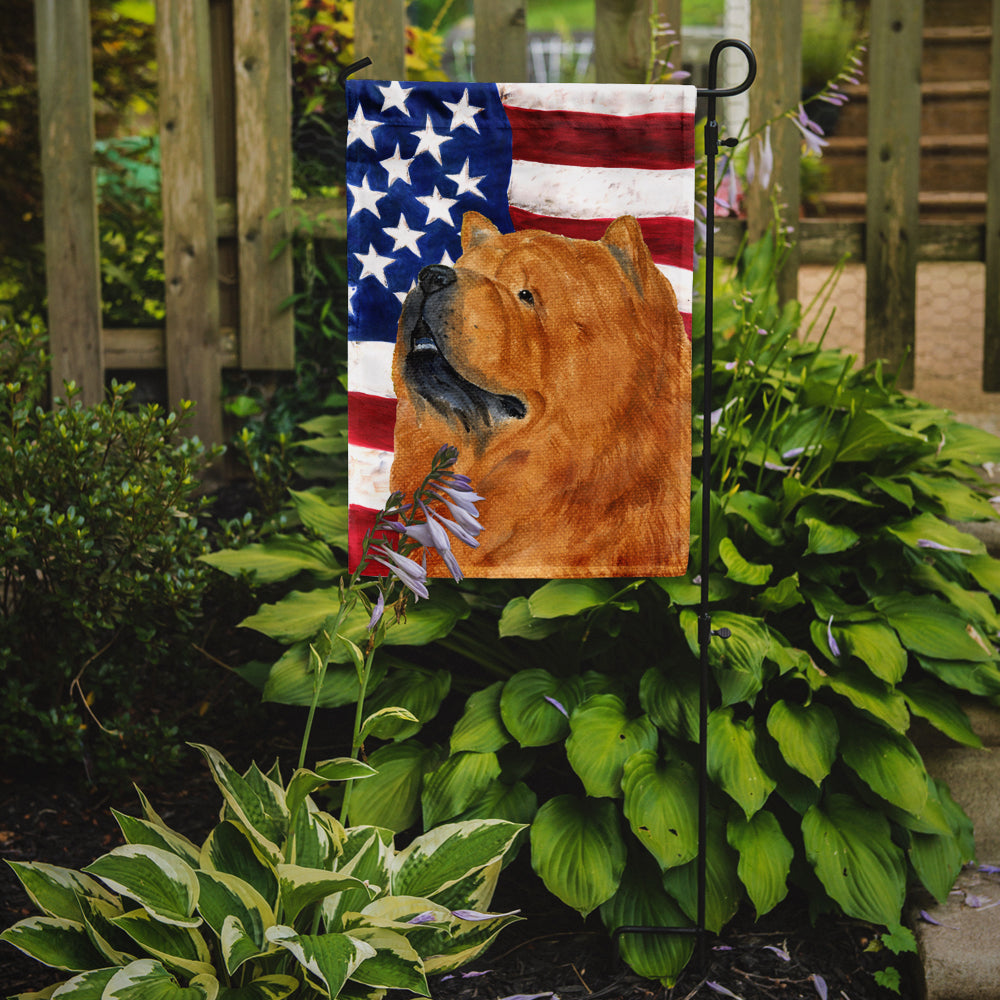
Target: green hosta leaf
(865, 692)
(850, 847)
(230, 849)
(870, 435)
(928, 528)
(888, 763)
(976, 678)
(732, 760)
(528, 710)
(456, 784)
(481, 728)
(893, 488)
(683, 592)
(828, 539)
(783, 595)
(758, 511)
(395, 964)
(517, 620)
(965, 443)
(738, 569)
(765, 858)
(738, 661)
(941, 709)
(807, 736)
(180, 948)
(147, 979)
(391, 798)
(661, 798)
(415, 689)
(670, 698)
(723, 889)
(441, 857)
(937, 859)
(225, 897)
(292, 681)
(578, 851)
(56, 891)
(986, 572)
(330, 959)
(385, 723)
(957, 501)
(516, 803)
(301, 887)
(141, 831)
(876, 646)
(274, 987)
(279, 558)
(159, 881)
(641, 901)
(931, 628)
(559, 598)
(260, 809)
(327, 520)
(975, 605)
(54, 941)
(602, 738)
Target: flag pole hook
(705, 630)
(351, 68)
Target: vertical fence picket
(621, 40)
(190, 253)
(892, 215)
(991, 332)
(261, 59)
(380, 34)
(776, 34)
(72, 257)
(501, 40)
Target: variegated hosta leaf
(850, 847)
(642, 902)
(304, 782)
(456, 784)
(256, 801)
(476, 890)
(395, 964)
(535, 706)
(224, 897)
(888, 763)
(116, 947)
(177, 947)
(141, 831)
(56, 891)
(732, 760)
(86, 986)
(367, 853)
(54, 941)
(147, 979)
(807, 736)
(481, 727)
(230, 849)
(315, 838)
(300, 887)
(441, 857)
(578, 851)
(661, 799)
(328, 959)
(465, 942)
(274, 987)
(602, 737)
(765, 858)
(158, 880)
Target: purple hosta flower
(558, 705)
(427, 917)
(990, 869)
(465, 975)
(431, 535)
(811, 132)
(475, 915)
(412, 575)
(453, 526)
(761, 163)
(820, 983)
(727, 197)
(461, 506)
(927, 543)
(719, 988)
(780, 952)
(377, 611)
(831, 642)
(927, 918)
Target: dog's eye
(525, 296)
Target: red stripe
(370, 420)
(584, 139)
(670, 240)
(360, 520)
(686, 317)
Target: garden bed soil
(58, 820)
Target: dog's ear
(476, 229)
(623, 238)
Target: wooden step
(956, 53)
(956, 206)
(939, 13)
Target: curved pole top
(713, 69)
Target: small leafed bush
(280, 899)
(99, 574)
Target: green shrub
(99, 540)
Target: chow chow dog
(560, 368)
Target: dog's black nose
(435, 277)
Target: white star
(397, 167)
(430, 141)
(463, 113)
(351, 289)
(402, 295)
(364, 197)
(467, 184)
(438, 207)
(372, 263)
(446, 260)
(403, 236)
(395, 97)
(360, 128)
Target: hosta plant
(279, 900)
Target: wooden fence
(226, 160)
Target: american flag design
(564, 158)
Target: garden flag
(520, 281)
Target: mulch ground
(551, 953)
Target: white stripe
(602, 99)
(368, 476)
(608, 192)
(369, 367)
(682, 281)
